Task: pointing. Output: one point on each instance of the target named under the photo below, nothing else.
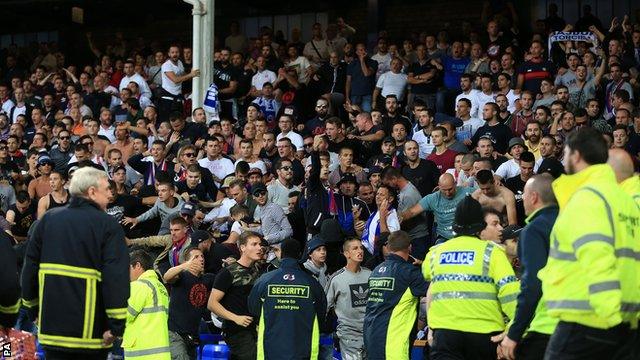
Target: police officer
(146, 336)
(590, 281)
(76, 272)
(472, 288)
(392, 308)
(290, 305)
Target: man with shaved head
(533, 250)
(622, 165)
(442, 204)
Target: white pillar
(206, 51)
(196, 93)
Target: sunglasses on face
(308, 145)
(64, 138)
(261, 193)
(286, 168)
(190, 155)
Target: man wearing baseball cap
(214, 254)
(511, 168)
(274, 223)
(40, 186)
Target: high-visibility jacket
(593, 271)
(147, 333)
(75, 277)
(632, 187)
(472, 286)
(392, 308)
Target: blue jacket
(290, 305)
(533, 251)
(392, 308)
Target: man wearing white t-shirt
(393, 82)
(504, 87)
(468, 92)
(486, 94)
(130, 75)
(299, 63)
(262, 76)
(469, 124)
(219, 165)
(285, 124)
(172, 77)
(423, 136)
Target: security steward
(472, 289)
(590, 282)
(146, 336)
(291, 305)
(392, 308)
(75, 277)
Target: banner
(585, 36)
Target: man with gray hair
(76, 254)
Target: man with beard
(533, 133)
(316, 125)
(225, 77)
(282, 186)
(393, 115)
(422, 173)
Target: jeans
(23, 323)
(428, 99)
(419, 247)
(180, 350)
(575, 341)
(364, 101)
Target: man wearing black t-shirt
(225, 76)
(532, 72)
(493, 129)
(369, 135)
(423, 174)
(516, 184)
(228, 299)
(215, 255)
(190, 287)
(422, 77)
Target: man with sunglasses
(315, 126)
(187, 156)
(274, 223)
(63, 152)
(40, 187)
(280, 188)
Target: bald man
(442, 204)
(533, 250)
(622, 165)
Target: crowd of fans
(323, 141)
